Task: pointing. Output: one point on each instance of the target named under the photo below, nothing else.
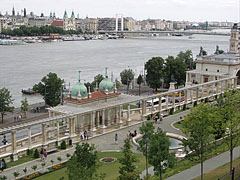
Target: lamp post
(147, 143)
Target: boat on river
(28, 91)
(11, 42)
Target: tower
(65, 16)
(72, 16)
(25, 12)
(234, 40)
(13, 11)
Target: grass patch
(179, 125)
(125, 106)
(221, 171)
(20, 160)
(110, 169)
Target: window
(218, 70)
(206, 69)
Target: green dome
(76, 87)
(106, 83)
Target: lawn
(221, 171)
(125, 106)
(21, 160)
(110, 169)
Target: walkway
(103, 142)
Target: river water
(24, 65)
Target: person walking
(2, 165)
(45, 154)
(116, 139)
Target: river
(24, 65)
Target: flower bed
(31, 176)
(108, 160)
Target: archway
(238, 75)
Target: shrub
(195, 104)
(184, 107)
(29, 152)
(63, 145)
(36, 154)
(59, 159)
(25, 170)
(3, 177)
(171, 111)
(206, 100)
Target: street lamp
(4, 141)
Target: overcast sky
(192, 10)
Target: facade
(217, 66)
(87, 25)
(69, 23)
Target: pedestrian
(42, 155)
(85, 135)
(45, 154)
(161, 117)
(116, 139)
(2, 165)
(81, 135)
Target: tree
(155, 72)
(83, 164)
(5, 102)
(24, 107)
(50, 88)
(97, 79)
(139, 82)
(16, 174)
(34, 167)
(198, 126)
(127, 169)
(159, 155)
(175, 67)
(229, 120)
(25, 170)
(187, 58)
(147, 131)
(127, 76)
(117, 83)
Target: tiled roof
(57, 23)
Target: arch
(238, 75)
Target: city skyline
(200, 10)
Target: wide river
(24, 65)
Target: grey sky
(193, 10)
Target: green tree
(117, 84)
(147, 130)
(187, 58)
(83, 164)
(97, 79)
(128, 169)
(24, 107)
(198, 125)
(155, 72)
(229, 120)
(127, 76)
(50, 88)
(159, 155)
(175, 68)
(139, 82)
(5, 102)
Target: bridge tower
(122, 22)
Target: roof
(223, 56)
(57, 23)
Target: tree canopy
(139, 82)
(128, 169)
(24, 106)
(187, 58)
(84, 163)
(6, 101)
(155, 72)
(127, 76)
(50, 88)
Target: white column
(197, 94)
(128, 113)
(186, 96)
(93, 130)
(122, 25)
(120, 118)
(29, 138)
(14, 146)
(103, 121)
(58, 131)
(173, 101)
(143, 109)
(152, 109)
(160, 104)
(44, 134)
(166, 102)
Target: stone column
(93, 130)
(217, 88)
(143, 109)
(160, 104)
(186, 96)
(235, 83)
(109, 117)
(44, 134)
(179, 97)
(173, 101)
(120, 119)
(226, 84)
(98, 118)
(167, 102)
(58, 137)
(128, 114)
(197, 94)
(152, 109)
(29, 137)
(103, 127)
(14, 146)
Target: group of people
(160, 118)
(36, 109)
(132, 134)
(18, 117)
(44, 154)
(84, 135)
